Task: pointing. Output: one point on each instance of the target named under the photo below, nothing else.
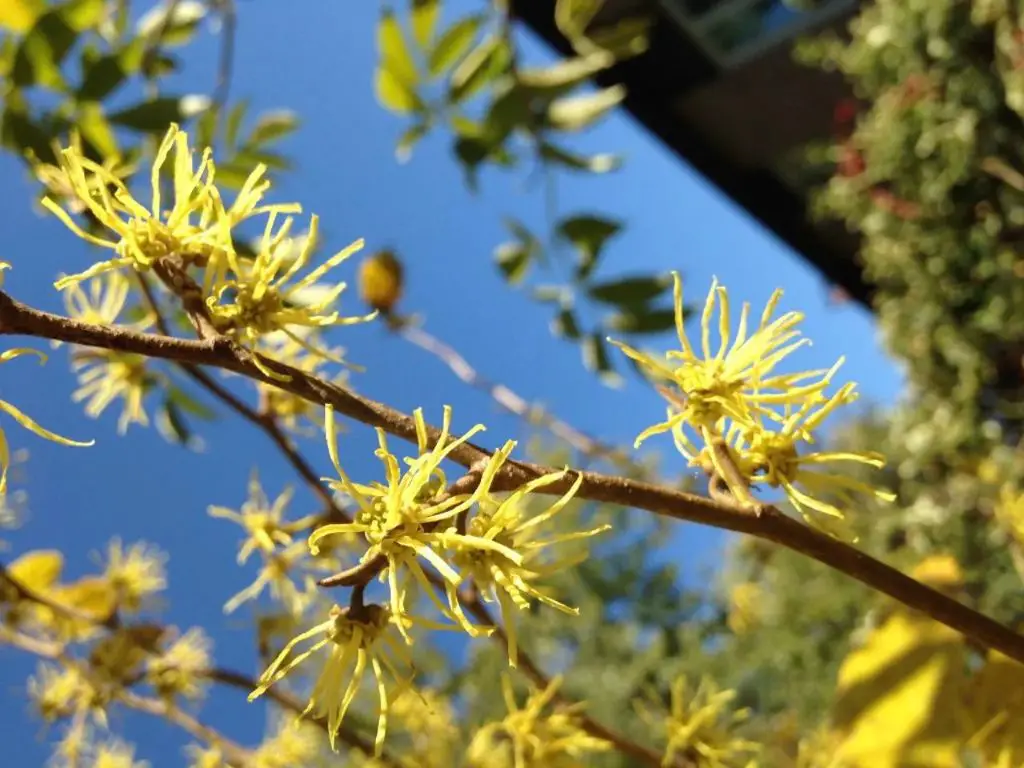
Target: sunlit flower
(745, 606)
(429, 721)
(58, 183)
(294, 413)
(1009, 512)
(260, 297)
(116, 754)
(400, 517)
(61, 692)
(178, 670)
(502, 554)
(737, 381)
(702, 724)
(210, 756)
(354, 640)
(264, 524)
(532, 737)
(773, 458)
(195, 228)
(136, 573)
(101, 303)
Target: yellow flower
(291, 411)
(196, 228)
(501, 553)
(292, 744)
(116, 754)
(768, 457)
(400, 517)
(355, 639)
(103, 302)
(262, 521)
(25, 421)
(62, 692)
(258, 299)
(1009, 512)
(737, 381)
(177, 670)
(58, 183)
(279, 574)
(745, 607)
(206, 757)
(136, 573)
(702, 727)
(531, 738)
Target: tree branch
(770, 524)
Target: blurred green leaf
(42, 50)
(234, 124)
(630, 290)
(177, 28)
(471, 153)
(82, 15)
(643, 320)
(588, 234)
(575, 113)
(596, 359)
(483, 65)
(394, 93)
(189, 405)
(251, 157)
(153, 116)
(395, 56)
(508, 111)
(272, 126)
(408, 140)
(453, 45)
(96, 130)
(564, 325)
(159, 64)
(552, 294)
(601, 163)
(105, 74)
(20, 133)
(565, 74)
(513, 259)
(424, 16)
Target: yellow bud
(380, 280)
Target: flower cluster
(463, 531)
(732, 413)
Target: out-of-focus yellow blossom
(280, 570)
(206, 757)
(532, 738)
(428, 720)
(136, 573)
(259, 298)
(116, 754)
(195, 228)
(354, 641)
(502, 553)
(702, 726)
(58, 183)
(745, 600)
(291, 411)
(18, 416)
(400, 518)
(67, 691)
(178, 670)
(1009, 512)
(105, 375)
(737, 381)
(264, 524)
(292, 744)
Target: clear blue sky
(318, 62)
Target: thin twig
(770, 524)
(512, 402)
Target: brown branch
(66, 611)
(771, 524)
(510, 401)
(235, 754)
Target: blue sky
(319, 63)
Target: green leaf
(394, 93)
(483, 65)
(234, 123)
(42, 50)
(272, 126)
(189, 405)
(552, 294)
(172, 425)
(82, 15)
(513, 260)
(508, 111)
(578, 112)
(471, 153)
(630, 291)
(151, 116)
(107, 73)
(176, 30)
(424, 16)
(642, 321)
(453, 45)
(564, 325)
(394, 53)
(600, 163)
(20, 133)
(206, 127)
(95, 129)
(251, 157)
(595, 358)
(588, 234)
(565, 74)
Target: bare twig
(770, 524)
